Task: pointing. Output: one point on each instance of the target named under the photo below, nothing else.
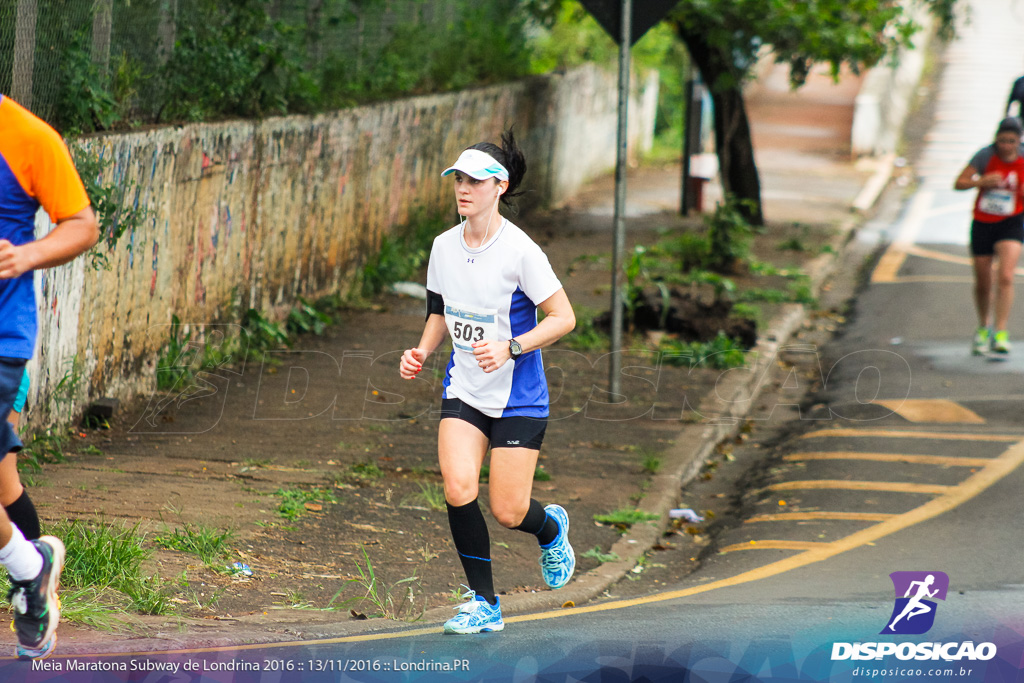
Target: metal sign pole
(614, 380)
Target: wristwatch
(514, 349)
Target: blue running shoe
(475, 616)
(35, 602)
(42, 653)
(557, 560)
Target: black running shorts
(502, 432)
(985, 235)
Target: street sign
(646, 13)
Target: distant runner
(997, 231)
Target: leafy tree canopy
(858, 33)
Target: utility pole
(621, 143)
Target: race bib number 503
(468, 324)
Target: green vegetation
(294, 501)
(210, 545)
(115, 202)
(572, 37)
(721, 353)
(104, 563)
(362, 474)
(651, 463)
(596, 554)
(212, 60)
(307, 318)
(395, 601)
(625, 517)
(432, 495)
(585, 337)
(401, 255)
(189, 351)
(45, 447)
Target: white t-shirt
(492, 292)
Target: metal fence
(96, 64)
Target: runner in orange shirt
(36, 171)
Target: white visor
(479, 165)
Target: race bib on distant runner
(468, 324)
(998, 202)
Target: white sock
(22, 560)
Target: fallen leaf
(314, 507)
(568, 603)
(357, 615)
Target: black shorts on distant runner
(502, 432)
(985, 235)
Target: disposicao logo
(914, 614)
(916, 592)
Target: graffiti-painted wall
(252, 214)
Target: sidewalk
(218, 459)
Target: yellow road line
(840, 484)
(931, 410)
(934, 255)
(907, 434)
(938, 279)
(892, 260)
(772, 545)
(998, 468)
(894, 257)
(944, 460)
(1010, 460)
(889, 265)
(821, 514)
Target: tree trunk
(732, 129)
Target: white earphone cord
(462, 221)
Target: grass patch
(104, 556)
(362, 474)
(432, 495)
(721, 353)
(211, 545)
(395, 601)
(45, 447)
(625, 517)
(586, 337)
(596, 554)
(651, 463)
(294, 501)
(401, 254)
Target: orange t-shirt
(36, 171)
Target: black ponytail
(511, 157)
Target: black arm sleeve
(435, 303)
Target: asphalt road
(906, 460)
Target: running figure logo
(914, 612)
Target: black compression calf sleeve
(472, 541)
(538, 523)
(22, 514)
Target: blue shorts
(19, 403)
(12, 372)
